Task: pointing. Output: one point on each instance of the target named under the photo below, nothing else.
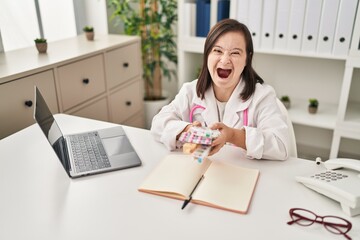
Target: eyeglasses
(336, 225)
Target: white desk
(38, 204)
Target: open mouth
(223, 73)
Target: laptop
(86, 153)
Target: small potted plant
(89, 32)
(286, 101)
(41, 45)
(313, 105)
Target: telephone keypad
(329, 176)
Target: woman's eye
(217, 50)
(235, 53)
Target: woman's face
(226, 61)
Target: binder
(190, 19)
(327, 26)
(344, 27)
(268, 24)
(282, 24)
(297, 14)
(254, 24)
(242, 11)
(311, 25)
(202, 17)
(223, 9)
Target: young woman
(229, 96)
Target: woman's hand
(220, 141)
(234, 136)
(194, 124)
(187, 128)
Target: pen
(190, 196)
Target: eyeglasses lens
(336, 225)
(303, 217)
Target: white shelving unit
(334, 80)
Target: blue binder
(223, 9)
(202, 17)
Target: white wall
(96, 15)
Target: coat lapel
(235, 107)
(209, 115)
(233, 110)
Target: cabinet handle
(86, 81)
(125, 65)
(128, 103)
(326, 38)
(28, 103)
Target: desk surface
(39, 201)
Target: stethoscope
(195, 107)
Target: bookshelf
(334, 79)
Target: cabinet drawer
(136, 121)
(126, 102)
(97, 110)
(123, 64)
(17, 105)
(81, 80)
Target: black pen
(190, 196)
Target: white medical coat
(267, 134)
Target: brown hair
(249, 76)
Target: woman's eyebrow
(239, 49)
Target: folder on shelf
(281, 24)
(311, 26)
(202, 17)
(344, 27)
(211, 183)
(254, 21)
(268, 24)
(297, 14)
(327, 26)
(223, 9)
(242, 11)
(189, 18)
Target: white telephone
(340, 181)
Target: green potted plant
(41, 45)
(153, 21)
(89, 32)
(286, 101)
(313, 105)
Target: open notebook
(223, 186)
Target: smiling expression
(226, 61)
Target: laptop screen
(48, 125)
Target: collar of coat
(233, 109)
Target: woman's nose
(225, 58)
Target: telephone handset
(339, 181)
(343, 163)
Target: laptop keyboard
(88, 152)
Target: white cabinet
(123, 64)
(17, 101)
(98, 79)
(331, 78)
(81, 81)
(94, 109)
(125, 102)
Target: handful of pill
(198, 141)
